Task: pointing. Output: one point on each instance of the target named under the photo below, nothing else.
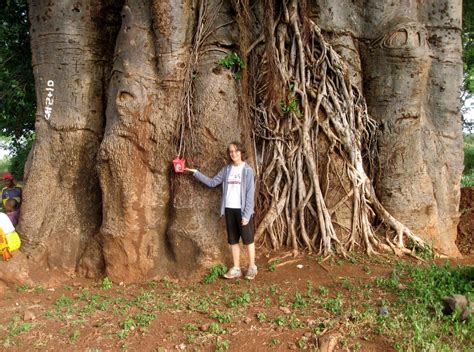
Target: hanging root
(310, 148)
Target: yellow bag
(9, 243)
(13, 240)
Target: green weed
(74, 336)
(279, 320)
(291, 104)
(233, 62)
(299, 302)
(221, 317)
(222, 345)
(215, 272)
(261, 316)
(273, 265)
(22, 288)
(333, 305)
(106, 284)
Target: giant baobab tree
(349, 111)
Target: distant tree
(468, 46)
(17, 95)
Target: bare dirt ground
(294, 303)
(286, 307)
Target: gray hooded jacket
(247, 189)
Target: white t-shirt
(234, 180)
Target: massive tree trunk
(298, 105)
(62, 198)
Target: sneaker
(251, 272)
(233, 273)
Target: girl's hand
(244, 221)
(191, 170)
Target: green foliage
(233, 62)
(418, 323)
(20, 151)
(17, 94)
(106, 284)
(468, 174)
(215, 272)
(273, 265)
(468, 44)
(291, 104)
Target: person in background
(13, 213)
(237, 205)
(12, 190)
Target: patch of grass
(243, 298)
(22, 288)
(221, 317)
(222, 345)
(299, 302)
(127, 325)
(323, 290)
(215, 328)
(144, 319)
(333, 305)
(63, 301)
(74, 336)
(279, 320)
(416, 322)
(17, 326)
(215, 272)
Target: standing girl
(237, 205)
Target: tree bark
(61, 213)
(118, 100)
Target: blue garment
(247, 189)
(15, 192)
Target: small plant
(22, 288)
(215, 272)
(243, 298)
(106, 284)
(16, 326)
(346, 284)
(261, 316)
(273, 265)
(290, 104)
(323, 290)
(274, 342)
(233, 62)
(74, 336)
(126, 325)
(143, 320)
(279, 320)
(295, 323)
(215, 328)
(299, 302)
(273, 289)
(301, 343)
(63, 301)
(221, 317)
(333, 305)
(190, 327)
(222, 345)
